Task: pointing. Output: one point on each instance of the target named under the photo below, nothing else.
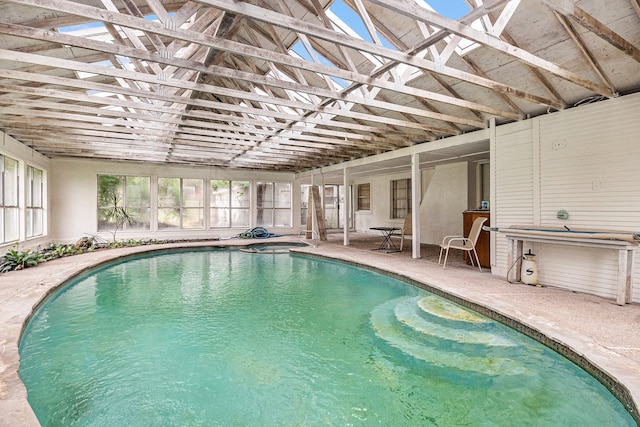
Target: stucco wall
(380, 213)
(445, 196)
(443, 202)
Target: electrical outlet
(556, 145)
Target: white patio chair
(463, 243)
(406, 230)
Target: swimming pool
(222, 337)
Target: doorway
(333, 203)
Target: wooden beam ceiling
(280, 85)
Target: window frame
(34, 209)
(10, 215)
(400, 198)
(230, 205)
(364, 200)
(123, 202)
(276, 211)
(182, 207)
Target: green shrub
(18, 260)
(57, 250)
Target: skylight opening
(386, 43)
(350, 22)
(89, 30)
(350, 18)
(89, 27)
(125, 63)
(339, 83)
(300, 51)
(325, 61)
(454, 9)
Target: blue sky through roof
(353, 20)
(454, 9)
(80, 27)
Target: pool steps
(444, 336)
(410, 313)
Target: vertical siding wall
(585, 161)
(513, 171)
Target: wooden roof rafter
(409, 10)
(321, 69)
(574, 12)
(490, 40)
(192, 78)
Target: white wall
(443, 202)
(583, 160)
(445, 197)
(73, 186)
(380, 213)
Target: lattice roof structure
(292, 85)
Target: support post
(416, 196)
(347, 207)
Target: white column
(347, 207)
(416, 199)
(492, 190)
(314, 218)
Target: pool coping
(21, 293)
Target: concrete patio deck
(596, 329)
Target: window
(229, 203)
(35, 202)
(129, 192)
(180, 203)
(273, 204)
(364, 197)
(9, 215)
(400, 198)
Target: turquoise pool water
(227, 338)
